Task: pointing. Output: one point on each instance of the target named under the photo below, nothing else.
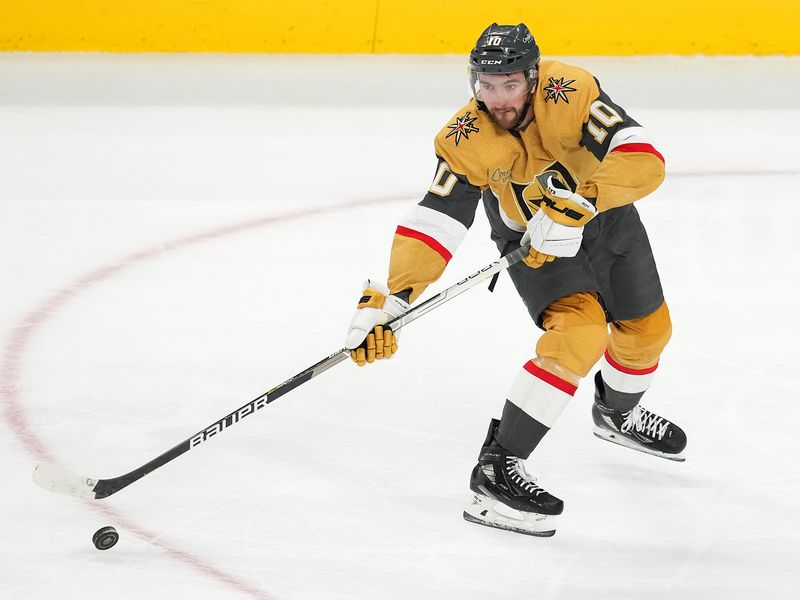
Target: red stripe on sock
(628, 370)
(425, 239)
(546, 376)
(639, 148)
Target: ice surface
(181, 233)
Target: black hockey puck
(105, 538)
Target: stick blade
(60, 480)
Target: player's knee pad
(638, 343)
(576, 333)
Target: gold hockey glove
(562, 205)
(536, 259)
(367, 338)
(556, 229)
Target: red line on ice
(21, 336)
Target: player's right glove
(367, 338)
(556, 229)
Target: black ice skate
(637, 428)
(506, 496)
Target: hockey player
(557, 165)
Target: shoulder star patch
(462, 127)
(557, 89)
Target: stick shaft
(106, 487)
(56, 479)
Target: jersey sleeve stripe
(633, 139)
(425, 239)
(446, 231)
(635, 134)
(637, 147)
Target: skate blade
(491, 513)
(609, 436)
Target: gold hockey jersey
(578, 133)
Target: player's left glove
(556, 229)
(367, 338)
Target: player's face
(504, 95)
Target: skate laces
(643, 421)
(516, 470)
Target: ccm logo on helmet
(491, 62)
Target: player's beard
(505, 117)
(509, 117)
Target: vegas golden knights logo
(462, 127)
(557, 89)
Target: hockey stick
(57, 479)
